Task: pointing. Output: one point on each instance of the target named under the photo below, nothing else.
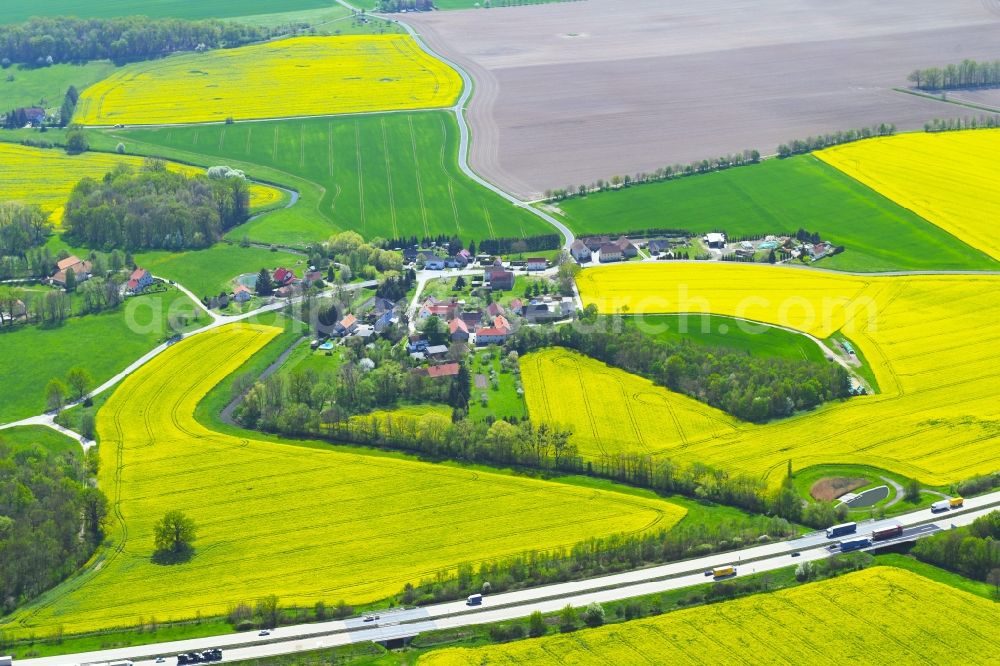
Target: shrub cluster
(60, 39)
(50, 521)
(153, 208)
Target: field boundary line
(361, 175)
(416, 166)
(388, 179)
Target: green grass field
(103, 344)
(46, 86)
(501, 403)
(734, 334)
(14, 12)
(27, 437)
(782, 196)
(385, 175)
(207, 272)
(204, 272)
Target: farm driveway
(570, 92)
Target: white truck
(6, 661)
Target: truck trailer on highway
(888, 532)
(843, 528)
(945, 504)
(474, 600)
(854, 544)
(724, 572)
(6, 661)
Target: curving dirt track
(571, 92)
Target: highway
(548, 598)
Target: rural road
(519, 604)
(464, 134)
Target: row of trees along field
(51, 520)
(820, 141)
(983, 121)
(665, 173)
(973, 551)
(331, 406)
(453, 244)
(153, 208)
(66, 39)
(751, 388)
(966, 74)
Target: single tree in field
(87, 424)
(536, 625)
(70, 280)
(567, 619)
(95, 511)
(269, 611)
(174, 534)
(594, 614)
(76, 142)
(912, 493)
(79, 381)
(265, 287)
(55, 394)
(993, 578)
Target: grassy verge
(30, 356)
(865, 369)
(46, 87)
(109, 640)
(28, 437)
(733, 334)
(940, 575)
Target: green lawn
(103, 344)
(385, 175)
(805, 478)
(13, 12)
(779, 196)
(732, 334)
(940, 575)
(501, 403)
(207, 272)
(204, 272)
(51, 440)
(303, 359)
(46, 86)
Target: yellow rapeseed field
(301, 76)
(612, 411)
(933, 343)
(949, 178)
(46, 177)
(881, 615)
(307, 524)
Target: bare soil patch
(570, 92)
(831, 487)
